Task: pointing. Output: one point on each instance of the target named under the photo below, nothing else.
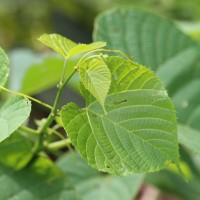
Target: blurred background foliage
(22, 21)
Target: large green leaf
(19, 68)
(169, 182)
(15, 151)
(12, 114)
(3, 67)
(96, 78)
(138, 133)
(143, 37)
(190, 137)
(66, 47)
(93, 185)
(157, 43)
(47, 72)
(40, 181)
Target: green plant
(127, 127)
(157, 43)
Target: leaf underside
(157, 43)
(138, 133)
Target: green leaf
(189, 137)
(93, 185)
(138, 133)
(47, 72)
(66, 47)
(96, 78)
(15, 151)
(58, 43)
(82, 48)
(40, 181)
(143, 37)
(3, 67)
(159, 44)
(167, 182)
(19, 68)
(12, 114)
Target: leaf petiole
(63, 73)
(28, 130)
(26, 96)
(53, 131)
(58, 145)
(52, 115)
(86, 56)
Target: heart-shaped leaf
(3, 67)
(157, 43)
(138, 133)
(12, 114)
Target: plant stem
(28, 130)
(50, 130)
(52, 115)
(58, 145)
(26, 96)
(63, 73)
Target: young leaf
(42, 180)
(15, 151)
(66, 47)
(81, 48)
(96, 78)
(106, 187)
(12, 114)
(58, 43)
(139, 131)
(3, 67)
